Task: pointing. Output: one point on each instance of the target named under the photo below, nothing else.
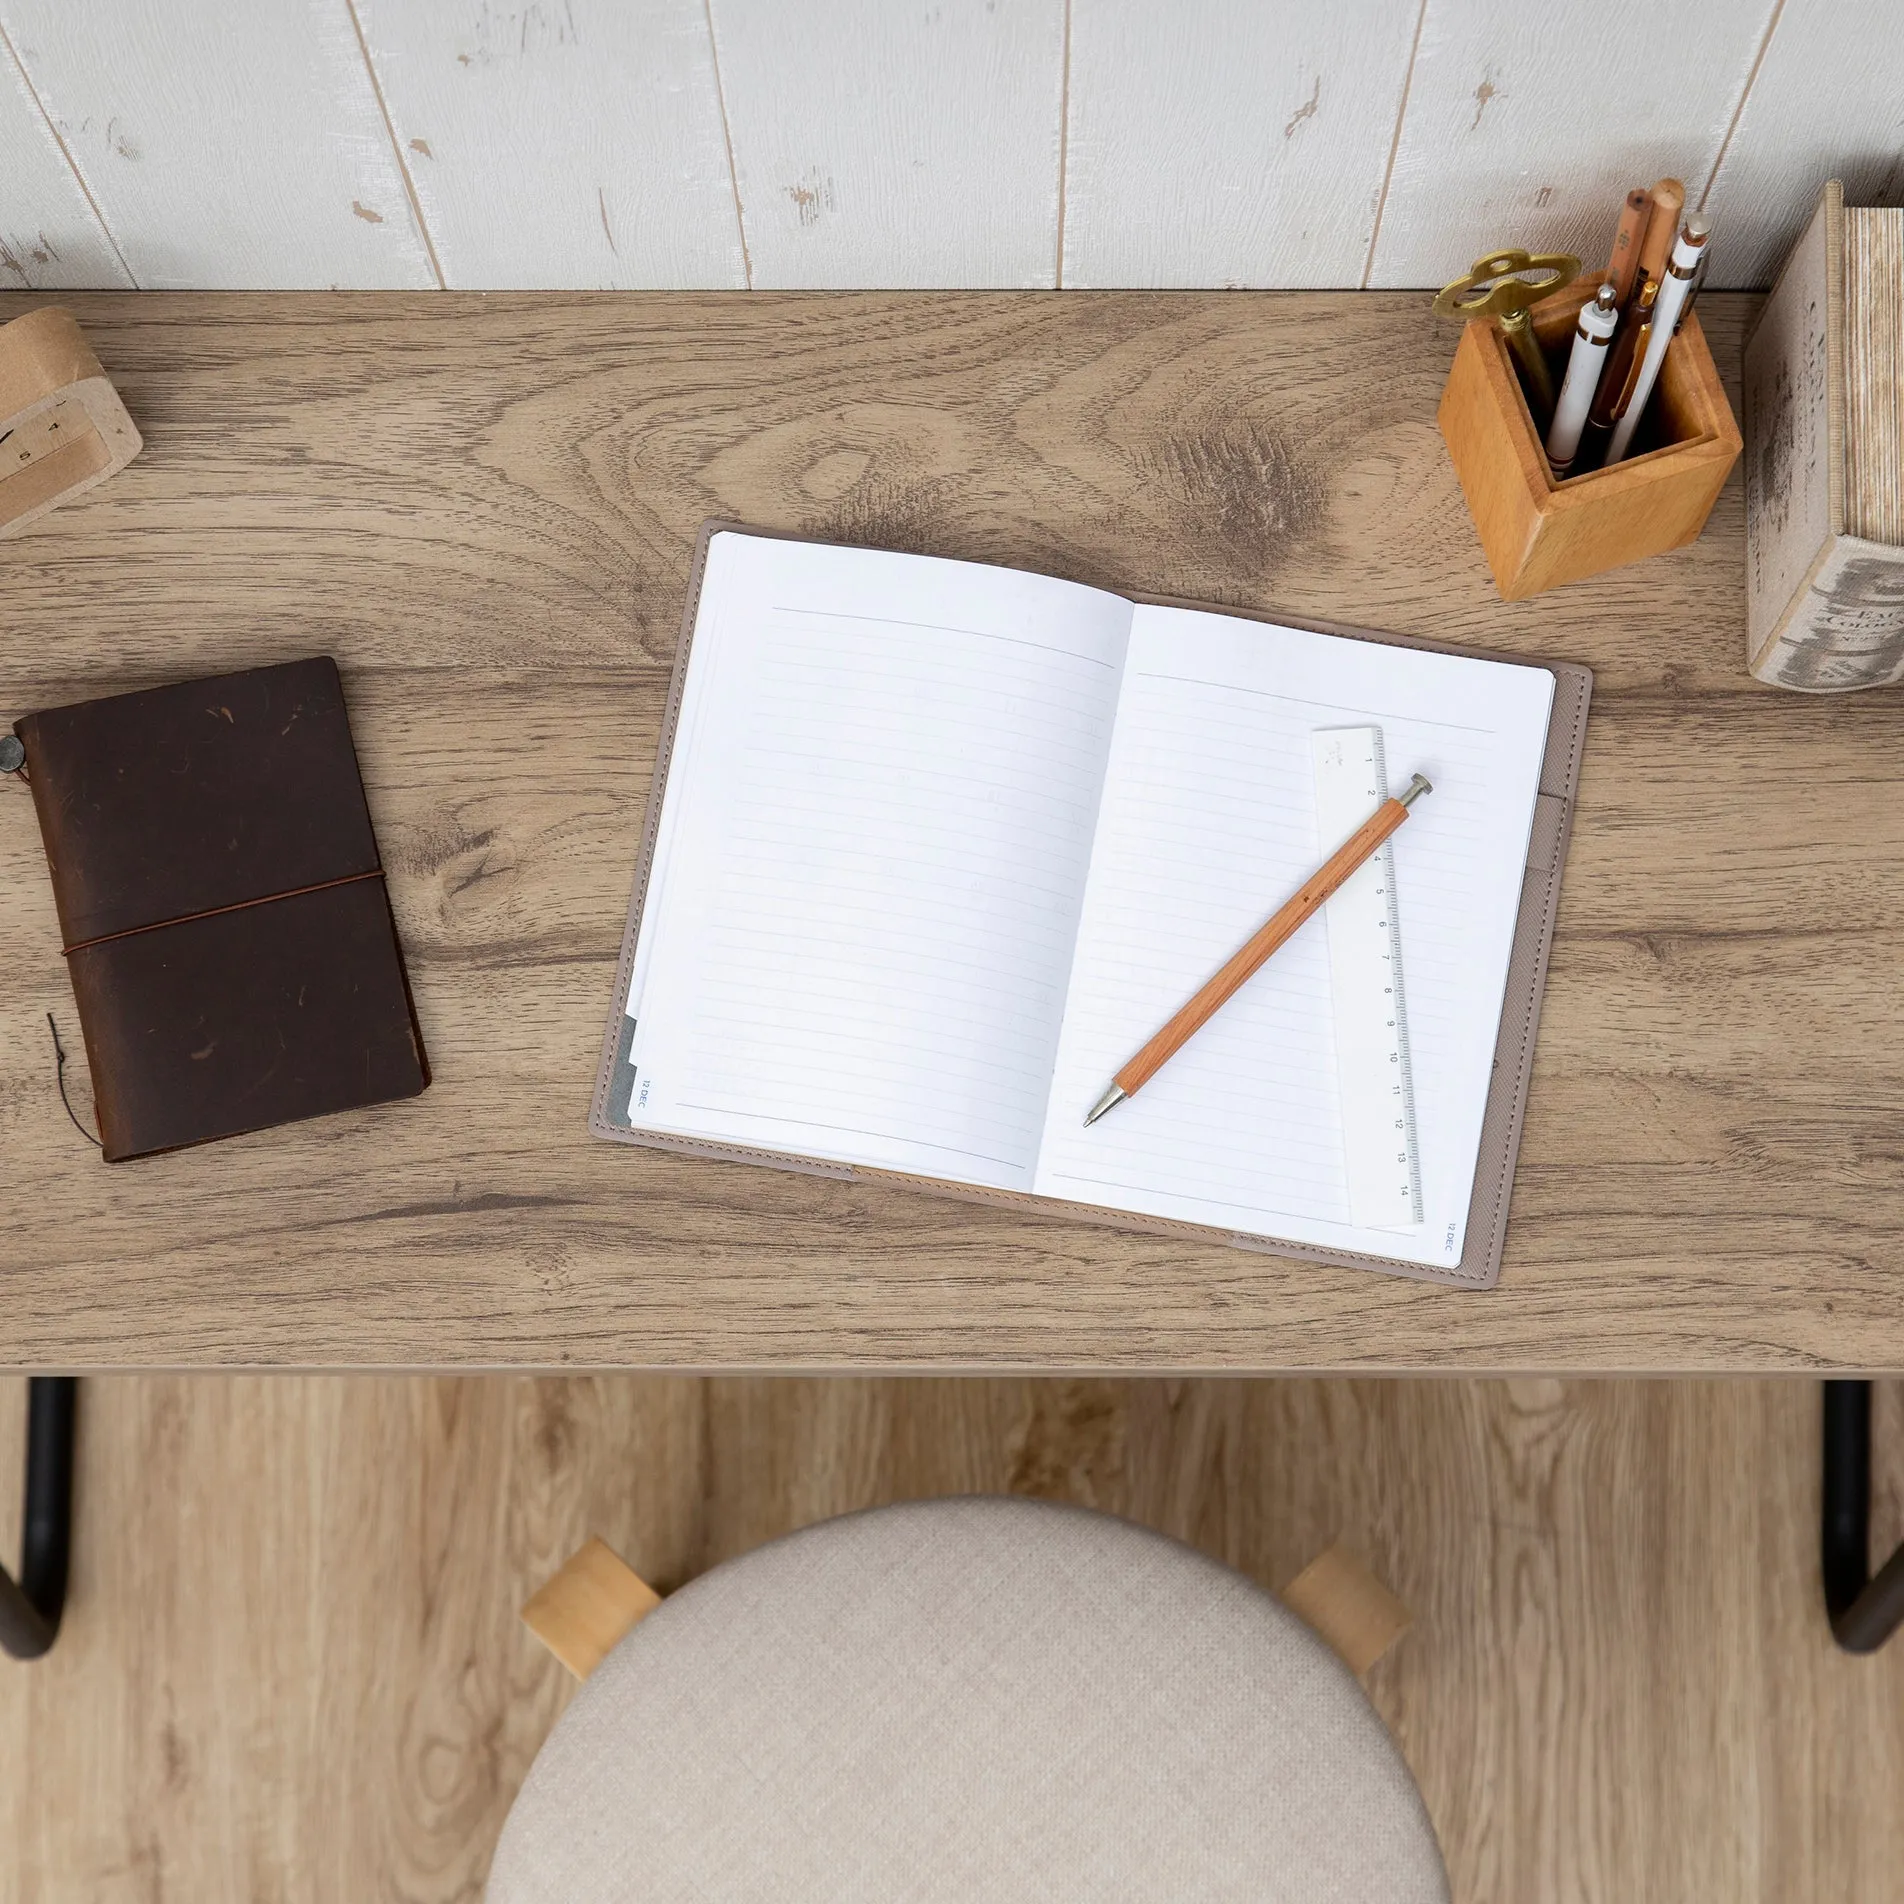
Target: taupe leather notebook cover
(222, 906)
(1480, 1263)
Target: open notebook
(935, 846)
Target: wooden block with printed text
(63, 429)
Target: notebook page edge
(924, 576)
(602, 1120)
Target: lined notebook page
(1208, 824)
(877, 823)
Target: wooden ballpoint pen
(1229, 979)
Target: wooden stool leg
(582, 1613)
(1348, 1606)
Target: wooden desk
(483, 508)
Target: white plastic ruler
(1365, 977)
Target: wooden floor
(291, 1668)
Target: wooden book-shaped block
(62, 426)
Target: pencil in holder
(1538, 530)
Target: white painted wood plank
(1828, 102)
(881, 144)
(562, 144)
(1217, 142)
(1529, 121)
(230, 143)
(50, 239)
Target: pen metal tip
(1416, 788)
(1113, 1096)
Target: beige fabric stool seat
(970, 1700)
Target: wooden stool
(967, 1699)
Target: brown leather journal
(222, 906)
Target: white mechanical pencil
(1687, 253)
(1587, 360)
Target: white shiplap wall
(895, 144)
(1537, 130)
(572, 143)
(50, 236)
(780, 143)
(1227, 144)
(1827, 102)
(224, 145)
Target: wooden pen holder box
(1538, 531)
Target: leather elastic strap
(212, 912)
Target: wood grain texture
(484, 508)
(562, 144)
(1217, 144)
(292, 1669)
(1827, 102)
(903, 146)
(1528, 125)
(50, 236)
(227, 145)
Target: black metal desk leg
(1864, 1611)
(30, 1607)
